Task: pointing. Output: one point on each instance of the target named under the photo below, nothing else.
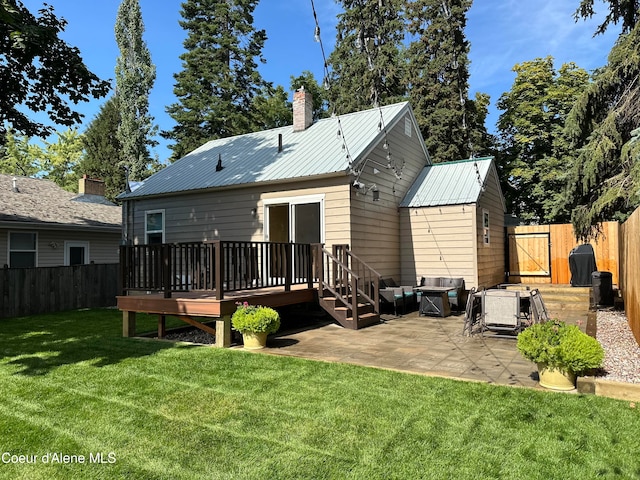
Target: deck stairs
(348, 288)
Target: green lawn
(69, 384)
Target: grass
(71, 385)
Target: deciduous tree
(135, 76)
(40, 72)
(535, 156)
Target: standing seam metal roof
(254, 157)
(449, 183)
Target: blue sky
(501, 32)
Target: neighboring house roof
(42, 203)
(254, 157)
(449, 183)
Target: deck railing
(223, 266)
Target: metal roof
(254, 157)
(449, 183)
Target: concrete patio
(412, 343)
(428, 345)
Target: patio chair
(457, 295)
(402, 294)
(538, 308)
(472, 313)
(501, 312)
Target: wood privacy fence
(629, 274)
(540, 253)
(31, 291)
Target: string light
(316, 34)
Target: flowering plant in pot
(255, 322)
(561, 352)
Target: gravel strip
(621, 351)
(193, 336)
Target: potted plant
(561, 352)
(255, 323)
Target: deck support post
(128, 323)
(223, 331)
(162, 329)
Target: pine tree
(366, 64)
(219, 79)
(603, 128)
(103, 157)
(135, 76)
(534, 154)
(438, 80)
(626, 12)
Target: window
(154, 226)
(76, 253)
(486, 235)
(22, 249)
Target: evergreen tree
(135, 76)
(626, 12)
(367, 66)
(272, 108)
(103, 156)
(219, 80)
(603, 128)
(534, 154)
(438, 80)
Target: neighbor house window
(486, 233)
(154, 226)
(22, 249)
(76, 253)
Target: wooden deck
(197, 280)
(198, 307)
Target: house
(42, 225)
(239, 214)
(337, 181)
(452, 223)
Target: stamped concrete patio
(412, 343)
(427, 345)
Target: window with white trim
(76, 253)
(486, 231)
(23, 249)
(154, 227)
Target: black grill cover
(582, 263)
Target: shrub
(255, 319)
(560, 346)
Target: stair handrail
(367, 273)
(369, 290)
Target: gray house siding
(103, 246)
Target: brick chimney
(91, 186)
(302, 110)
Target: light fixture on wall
(254, 212)
(53, 245)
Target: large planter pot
(555, 378)
(254, 341)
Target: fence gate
(529, 256)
